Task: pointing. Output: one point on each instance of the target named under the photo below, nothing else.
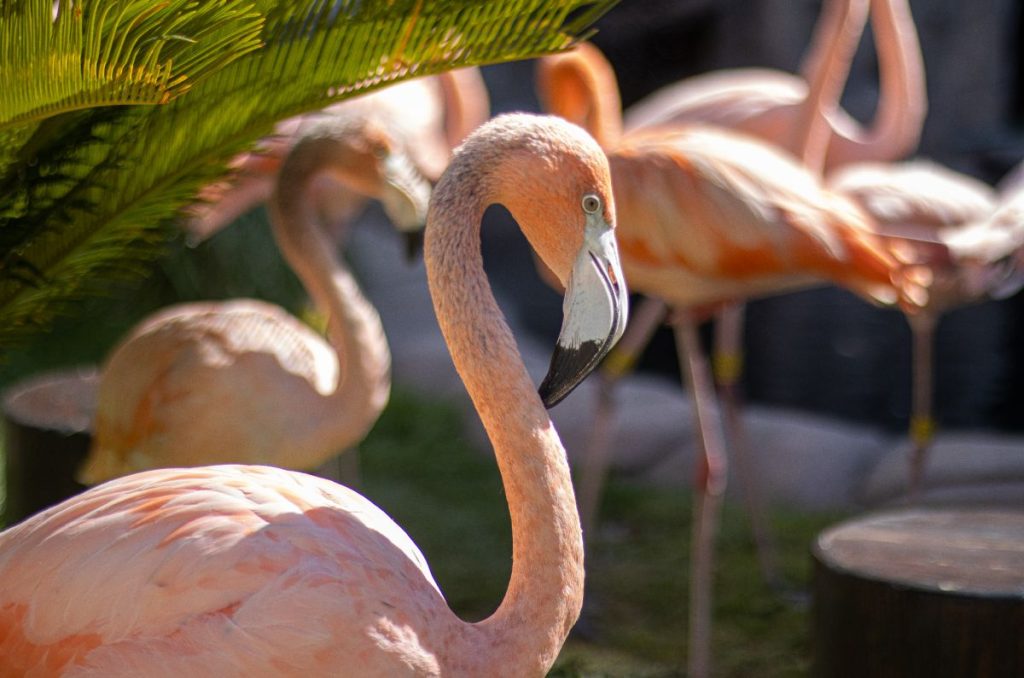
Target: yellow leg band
(618, 363)
(727, 368)
(315, 319)
(922, 430)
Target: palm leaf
(89, 53)
(111, 206)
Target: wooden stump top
(966, 551)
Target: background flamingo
(771, 105)
(239, 569)
(243, 381)
(436, 111)
(715, 216)
(709, 216)
(944, 227)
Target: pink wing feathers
(157, 569)
(705, 216)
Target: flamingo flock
(210, 553)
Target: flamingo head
(376, 160)
(557, 185)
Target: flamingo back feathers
(240, 565)
(179, 373)
(728, 209)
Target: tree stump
(921, 592)
(47, 424)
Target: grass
(418, 467)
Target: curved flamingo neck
(545, 590)
(826, 69)
(581, 87)
(902, 101)
(354, 328)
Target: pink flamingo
(436, 111)
(247, 570)
(772, 105)
(244, 381)
(709, 216)
(945, 228)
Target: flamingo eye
(591, 203)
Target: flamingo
(770, 104)
(257, 571)
(777, 107)
(244, 381)
(436, 111)
(946, 228)
(709, 216)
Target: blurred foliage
(115, 112)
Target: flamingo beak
(405, 198)
(595, 311)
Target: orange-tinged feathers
(708, 216)
(19, 656)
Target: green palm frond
(90, 195)
(73, 55)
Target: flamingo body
(935, 220)
(758, 101)
(181, 390)
(177, 571)
(947, 231)
(709, 216)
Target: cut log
(47, 423)
(921, 592)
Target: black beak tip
(549, 395)
(569, 366)
(413, 245)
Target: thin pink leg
(709, 488)
(727, 364)
(922, 422)
(620, 362)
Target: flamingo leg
(709, 489)
(727, 365)
(922, 422)
(619, 362)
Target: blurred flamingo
(244, 381)
(770, 104)
(709, 216)
(248, 570)
(436, 111)
(777, 107)
(946, 229)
